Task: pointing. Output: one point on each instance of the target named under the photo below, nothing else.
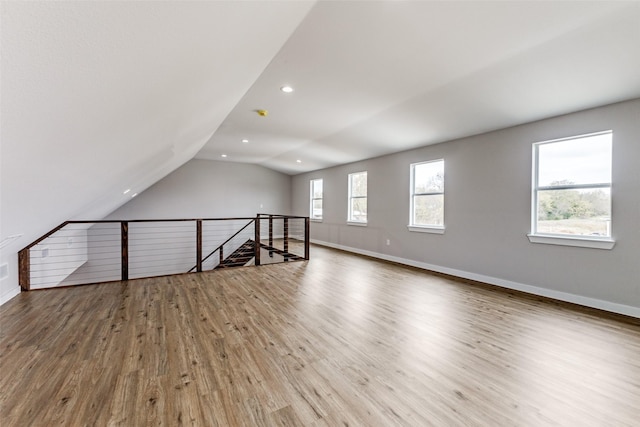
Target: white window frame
(312, 199)
(350, 219)
(433, 228)
(595, 242)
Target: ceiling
(376, 77)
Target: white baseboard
(7, 295)
(535, 290)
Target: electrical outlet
(388, 242)
(4, 271)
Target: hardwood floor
(339, 340)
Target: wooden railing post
(24, 269)
(286, 237)
(270, 235)
(199, 245)
(124, 245)
(306, 238)
(256, 250)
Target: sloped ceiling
(372, 78)
(98, 97)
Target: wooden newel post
(256, 250)
(124, 245)
(24, 269)
(306, 238)
(199, 245)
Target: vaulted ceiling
(100, 97)
(371, 78)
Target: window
(315, 209)
(572, 188)
(358, 197)
(427, 196)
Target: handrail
(35, 242)
(276, 216)
(119, 221)
(225, 242)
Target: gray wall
(211, 189)
(487, 212)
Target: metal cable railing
(283, 238)
(85, 252)
(232, 244)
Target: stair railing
(220, 248)
(85, 252)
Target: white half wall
(488, 211)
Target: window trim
(594, 242)
(312, 199)
(423, 228)
(568, 240)
(350, 220)
(432, 229)
(357, 223)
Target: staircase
(240, 256)
(245, 254)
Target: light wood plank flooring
(340, 340)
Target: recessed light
(286, 89)
(134, 195)
(298, 161)
(126, 191)
(223, 155)
(244, 141)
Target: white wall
(211, 189)
(487, 212)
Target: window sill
(426, 229)
(315, 219)
(581, 242)
(359, 224)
